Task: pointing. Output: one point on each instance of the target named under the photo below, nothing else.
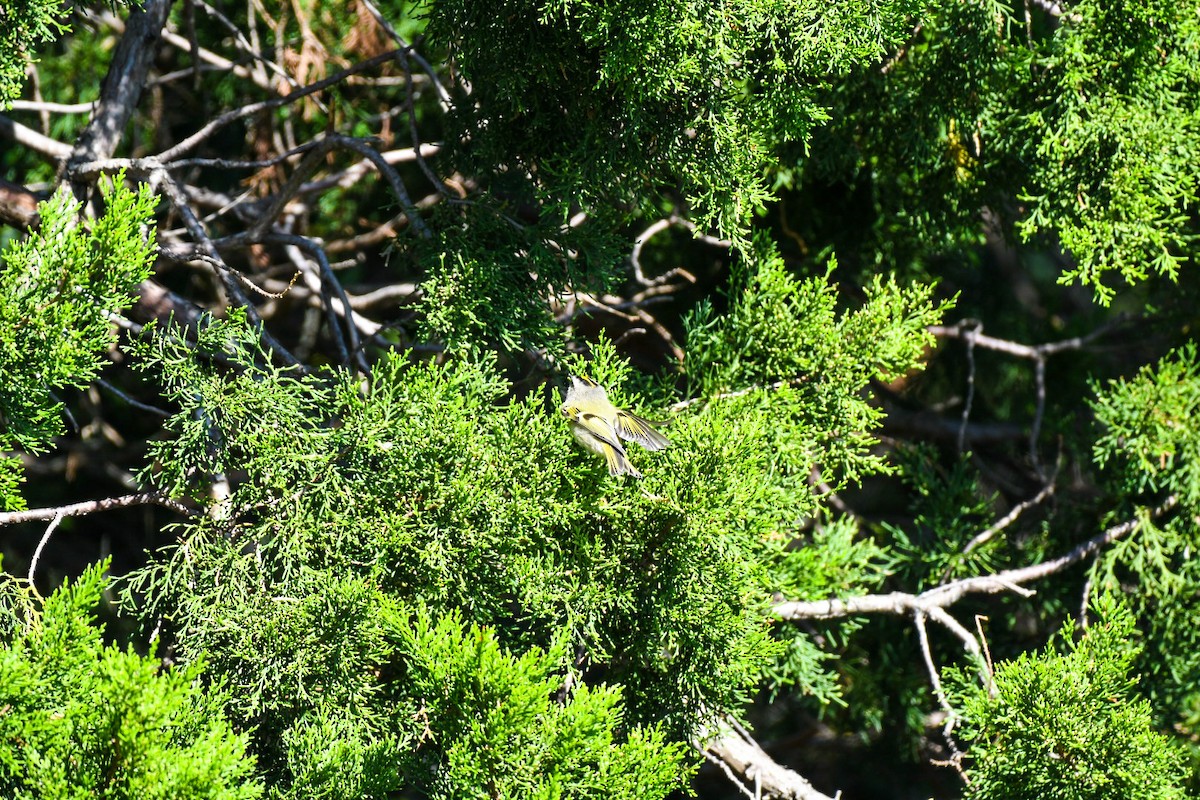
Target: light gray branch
(28, 137)
(91, 507)
(729, 744)
(1010, 580)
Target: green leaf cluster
(1106, 118)
(481, 706)
(23, 25)
(85, 719)
(355, 508)
(1149, 437)
(596, 104)
(57, 288)
(1067, 725)
(804, 363)
(1149, 446)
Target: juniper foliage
(86, 719)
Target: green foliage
(419, 586)
(1149, 445)
(23, 25)
(949, 508)
(426, 488)
(1104, 116)
(1068, 725)
(494, 729)
(82, 719)
(1149, 435)
(894, 177)
(599, 104)
(56, 289)
(535, 542)
(781, 330)
(489, 282)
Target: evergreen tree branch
(946, 595)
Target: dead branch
(946, 595)
(93, 506)
(731, 745)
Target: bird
(600, 427)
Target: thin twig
(971, 335)
(682, 404)
(1020, 508)
(1039, 412)
(138, 404)
(214, 125)
(37, 553)
(734, 779)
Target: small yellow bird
(600, 426)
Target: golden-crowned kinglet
(600, 426)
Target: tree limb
(733, 747)
(123, 84)
(943, 596)
(92, 506)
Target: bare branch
(1008, 519)
(213, 60)
(214, 125)
(943, 596)
(971, 334)
(972, 330)
(138, 404)
(443, 95)
(731, 745)
(229, 277)
(1035, 430)
(42, 106)
(123, 84)
(388, 172)
(635, 256)
(92, 506)
(18, 206)
(900, 421)
(37, 553)
(28, 137)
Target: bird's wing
(633, 428)
(600, 429)
(610, 445)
